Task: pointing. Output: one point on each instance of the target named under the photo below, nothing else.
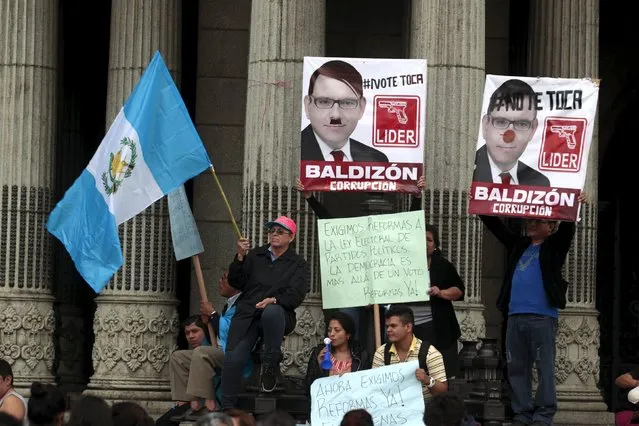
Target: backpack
(421, 356)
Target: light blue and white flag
(151, 149)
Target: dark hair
(45, 404)
(445, 409)
(276, 418)
(197, 320)
(130, 414)
(433, 230)
(243, 418)
(347, 323)
(9, 420)
(338, 70)
(194, 319)
(512, 95)
(404, 313)
(90, 410)
(214, 419)
(5, 370)
(359, 417)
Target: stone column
(136, 321)
(73, 295)
(452, 39)
(564, 42)
(282, 33)
(28, 89)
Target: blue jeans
(271, 326)
(531, 339)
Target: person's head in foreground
(130, 414)
(240, 417)
(357, 417)
(276, 418)
(90, 410)
(46, 405)
(447, 409)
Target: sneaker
(269, 378)
(195, 415)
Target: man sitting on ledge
(273, 280)
(193, 371)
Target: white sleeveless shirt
(25, 422)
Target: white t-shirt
(25, 422)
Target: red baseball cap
(284, 222)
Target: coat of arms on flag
(121, 165)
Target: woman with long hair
(46, 405)
(435, 320)
(346, 354)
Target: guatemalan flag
(151, 149)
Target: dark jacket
(552, 255)
(525, 174)
(320, 211)
(311, 150)
(287, 279)
(361, 361)
(443, 275)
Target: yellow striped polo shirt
(434, 361)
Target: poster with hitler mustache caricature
(363, 124)
(533, 146)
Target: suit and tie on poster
(363, 124)
(533, 146)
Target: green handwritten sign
(373, 259)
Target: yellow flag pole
(226, 201)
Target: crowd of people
(263, 287)
(47, 406)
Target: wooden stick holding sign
(377, 325)
(200, 283)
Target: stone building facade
(239, 64)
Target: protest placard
(373, 259)
(363, 124)
(184, 232)
(533, 146)
(391, 394)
